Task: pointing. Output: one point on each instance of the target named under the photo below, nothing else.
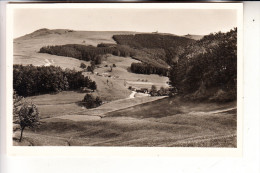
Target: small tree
(153, 91)
(162, 91)
(111, 68)
(92, 63)
(98, 59)
(89, 101)
(90, 69)
(28, 117)
(82, 65)
(98, 101)
(93, 85)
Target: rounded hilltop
(45, 32)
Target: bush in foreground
(25, 114)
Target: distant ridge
(45, 32)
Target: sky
(175, 21)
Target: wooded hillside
(157, 50)
(208, 68)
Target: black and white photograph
(126, 77)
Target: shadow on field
(156, 109)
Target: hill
(152, 41)
(95, 35)
(26, 48)
(122, 120)
(156, 49)
(45, 32)
(208, 68)
(163, 49)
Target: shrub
(93, 85)
(91, 101)
(90, 69)
(98, 59)
(162, 91)
(153, 91)
(143, 68)
(98, 101)
(82, 65)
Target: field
(26, 48)
(178, 124)
(126, 118)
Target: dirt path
(132, 95)
(223, 110)
(48, 63)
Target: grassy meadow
(178, 124)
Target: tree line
(153, 41)
(143, 68)
(31, 80)
(87, 53)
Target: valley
(126, 117)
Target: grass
(140, 128)
(226, 141)
(121, 104)
(26, 48)
(122, 71)
(65, 103)
(51, 105)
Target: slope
(208, 68)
